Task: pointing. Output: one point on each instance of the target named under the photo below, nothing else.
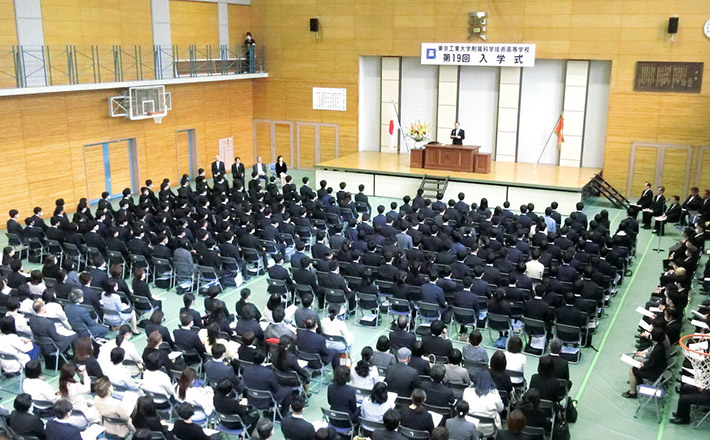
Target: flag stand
(554, 127)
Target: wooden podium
(463, 158)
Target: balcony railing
(46, 66)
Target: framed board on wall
(330, 99)
(656, 76)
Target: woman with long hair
(281, 169)
(332, 325)
(35, 283)
(285, 361)
(201, 398)
(375, 406)
(483, 400)
(530, 406)
(366, 376)
(124, 313)
(145, 416)
(84, 356)
(213, 338)
(73, 390)
(153, 346)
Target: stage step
(605, 189)
(433, 185)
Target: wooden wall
(239, 23)
(623, 31)
(8, 38)
(194, 23)
(44, 138)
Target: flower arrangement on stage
(419, 131)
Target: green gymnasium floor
(599, 378)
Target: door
(262, 141)
(306, 145)
(316, 143)
(110, 167)
(659, 164)
(273, 139)
(185, 153)
(328, 145)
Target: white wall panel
(447, 101)
(478, 102)
(395, 187)
(540, 105)
(389, 94)
(508, 110)
(418, 98)
(575, 105)
(369, 104)
(597, 113)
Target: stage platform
(389, 175)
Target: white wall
(597, 113)
(478, 105)
(419, 96)
(369, 104)
(540, 106)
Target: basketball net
(157, 117)
(696, 348)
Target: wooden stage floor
(502, 173)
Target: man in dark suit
(60, 426)
(218, 167)
(401, 337)
(185, 338)
(79, 317)
(561, 365)
(13, 225)
(536, 308)
(657, 208)
(44, 328)
(307, 340)
(569, 314)
(99, 277)
(294, 426)
(362, 197)
(259, 168)
(305, 276)
(645, 200)
(278, 272)
(298, 256)
(457, 134)
(435, 343)
(216, 369)
(260, 377)
(437, 393)
(400, 377)
(333, 280)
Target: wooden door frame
(272, 135)
(699, 167)
(132, 166)
(191, 151)
(660, 155)
(316, 140)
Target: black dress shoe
(679, 421)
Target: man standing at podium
(457, 135)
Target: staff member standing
(457, 135)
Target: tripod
(660, 233)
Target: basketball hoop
(157, 117)
(696, 348)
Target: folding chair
(54, 248)
(15, 241)
(341, 419)
(280, 287)
(399, 307)
(333, 296)
(302, 289)
(443, 410)
(305, 235)
(232, 419)
(428, 313)
(46, 340)
(184, 276)
(361, 394)
(571, 338)
(142, 305)
(9, 358)
(117, 421)
(318, 372)
(534, 432)
(254, 262)
(139, 261)
(115, 257)
(36, 247)
(655, 392)
(499, 323)
(366, 304)
(464, 318)
(367, 427)
(474, 367)
(160, 400)
(290, 377)
(535, 331)
(207, 276)
(361, 207)
(72, 252)
(413, 434)
(163, 272)
(264, 401)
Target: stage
(389, 175)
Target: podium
(462, 158)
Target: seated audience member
(341, 396)
(392, 419)
(545, 381)
(24, 423)
(415, 416)
(650, 369)
(38, 388)
(78, 317)
(515, 360)
(216, 368)
(382, 356)
(278, 328)
(417, 360)
(227, 401)
(156, 324)
(309, 341)
(401, 336)
(334, 326)
(84, 357)
(437, 393)
(459, 427)
(561, 364)
(122, 313)
(201, 398)
(515, 425)
(60, 427)
(401, 378)
(156, 382)
(108, 406)
(119, 375)
(365, 376)
(74, 391)
(437, 343)
(44, 328)
(11, 344)
(375, 406)
(499, 373)
(285, 361)
(294, 426)
(260, 377)
(145, 416)
(530, 406)
(122, 340)
(184, 427)
(483, 400)
(454, 371)
(244, 297)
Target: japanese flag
(394, 127)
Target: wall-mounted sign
(657, 76)
(330, 99)
(479, 54)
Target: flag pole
(401, 130)
(548, 140)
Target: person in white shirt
(202, 398)
(35, 284)
(73, 390)
(533, 268)
(515, 360)
(334, 326)
(483, 400)
(55, 311)
(14, 345)
(37, 387)
(375, 406)
(21, 324)
(157, 382)
(123, 340)
(119, 375)
(365, 376)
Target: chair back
(534, 327)
(413, 433)
(498, 322)
(428, 311)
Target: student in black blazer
(391, 420)
(652, 368)
(435, 343)
(155, 324)
(60, 428)
(293, 426)
(185, 338)
(22, 421)
(228, 402)
(238, 171)
(545, 381)
(260, 377)
(415, 416)
(307, 340)
(341, 396)
(141, 288)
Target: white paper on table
(174, 355)
(92, 432)
(631, 361)
(645, 312)
(645, 325)
(697, 323)
(655, 310)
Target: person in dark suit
(216, 369)
(656, 208)
(99, 277)
(13, 224)
(437, 393)
(673, 215)
(545, 381)
(650, 369)
(155, 324)
(259, 168)
(218, 168)
(391, 420)
(333, 280)
(305, 311)
(569, 314)
(79, 317)
(60, 427)
(307, 340)
(436, 343)
(401, 336)
(294, 426)
(536, 308)
(341, 396)
(44, 328)
(401, 378)
(560, 364)
(645, 201)
(457, 134)
(260, 377)
(185, 338)
(22, 421)
(416, 416)
(238, 171)
(227, 402)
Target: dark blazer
(401, 379)
(296, 428)
(192, 431)
(436, 345)
(312, 342)
(238, 172)
(342, 398)
(383, 434)
(229, 405)
(438, 394)
(646, 199)
(218, 168)
(461, 133)
(401, 338)
(561, 367)
(548, 387)
(150, 328)
(188, 340)
(418, 419)
(62, 431)
(217, 371)
(77, 315)
(263, 378)
(43, 327)
(24, 423)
